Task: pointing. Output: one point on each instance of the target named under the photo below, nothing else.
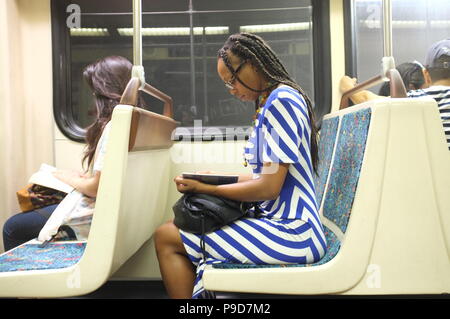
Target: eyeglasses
(230, 84)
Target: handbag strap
(202, 237)
(206, 202)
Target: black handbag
(201, 213)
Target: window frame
(351, 57)
(61, 57)
(61, 61)
(321, 58)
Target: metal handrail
(397, 87)
(131, 94)
(388, 72)
(137, 82)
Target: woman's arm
(83, 183)
(348, 83)
(267, 187)
(245, 177)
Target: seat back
(341, 153)
(133, 188)
(327, 142)
(344, 173)
(343, 179)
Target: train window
(180, 43)
(415, 26)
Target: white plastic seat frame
(129, 206)
(398, 236)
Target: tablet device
(212, 178)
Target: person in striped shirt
(282, 152)
(437, 76)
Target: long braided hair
(108, 78)
(254, 49)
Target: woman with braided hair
(282, 151)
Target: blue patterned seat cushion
(31, 257)
(348, 159)
(333, 245)
(327, 140)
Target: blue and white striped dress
(289, 229)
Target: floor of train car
(117, 289)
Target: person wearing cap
(436, 74)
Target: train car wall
(26, 125)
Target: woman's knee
(167, 236)
(11, 226)
(24, 225)
(12, 236)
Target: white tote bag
(71, 208)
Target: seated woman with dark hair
(107, 78)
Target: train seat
(385, 209)
(30, 256)
(328, 137)
(128, 209)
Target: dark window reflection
(190, 76)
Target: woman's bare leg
(177, 271)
